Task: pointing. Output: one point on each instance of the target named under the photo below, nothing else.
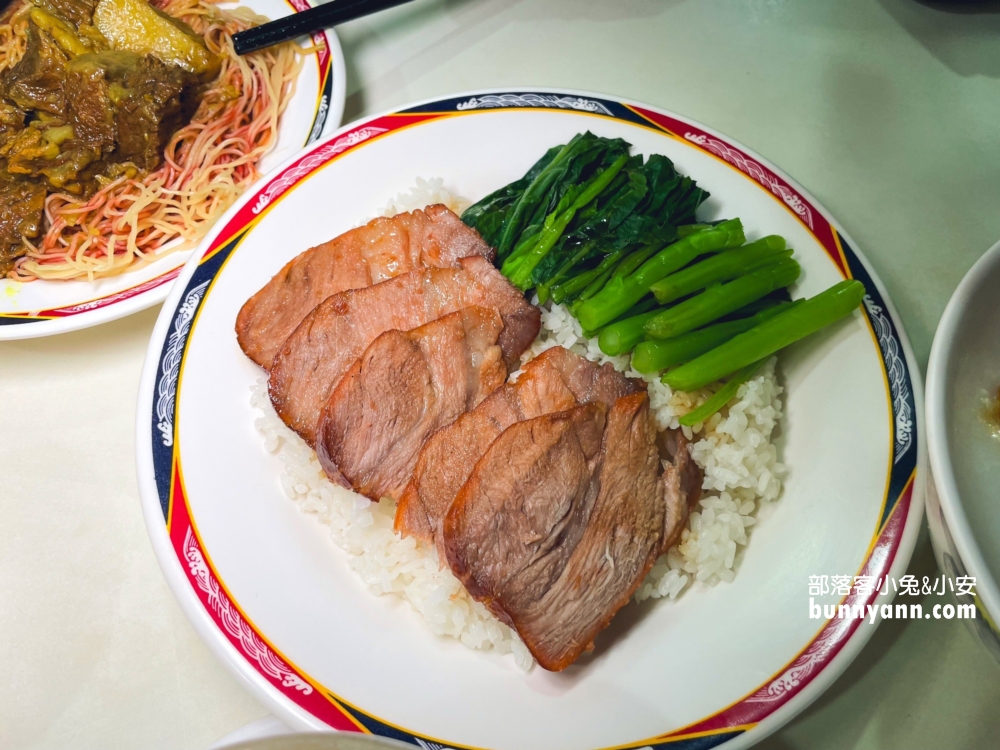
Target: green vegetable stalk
(489, 215)
(518, 269)
(574, 286)
(659, 354)
(687, 230)
(648, 304)
(531, 200)
(580, 202)
(565, 270)
(725, 266)
(762, 341)
(621, 337)
(621, 293)
(585, 284)
(592, 288)
(722, 299)
(634, 260)
(722, 396)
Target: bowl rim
(938, 443)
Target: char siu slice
(560, 521)
(331, 337)
(682, 479)
(404, 387)
(382, 249)
(555, 380)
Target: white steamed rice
(733, 448)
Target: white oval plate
(44, 308)
(272, 596)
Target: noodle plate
(206, 165)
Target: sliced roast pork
(331, 337)
(560, 521)
(403, 388)
(380, 250)
(682, 480)
(553, 381)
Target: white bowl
(963, 506)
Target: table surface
(886, 110)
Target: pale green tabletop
(888, 111)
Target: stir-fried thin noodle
(207, 164)
(13, 35)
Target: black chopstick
(299, 24)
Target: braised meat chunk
(331, 337)
(90, 112)
(38, 80)
(382, 249)
(155, 101)
(118, 107)
(21, 206)
(403, 388)
(560, 521)
(11, 121)
(77, 12)
(554, 381)
(149, 100)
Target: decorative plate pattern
(899, 510)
